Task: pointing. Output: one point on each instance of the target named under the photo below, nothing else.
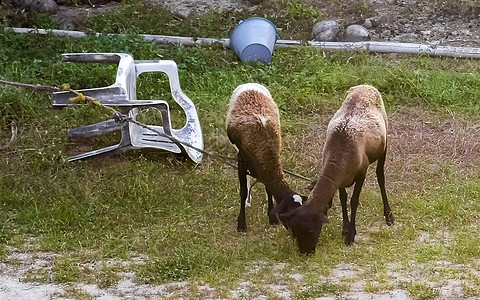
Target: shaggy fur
(253, 126)
(356, 137)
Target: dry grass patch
(426, 148)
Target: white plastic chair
(122, 94)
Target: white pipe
(387, 47)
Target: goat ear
(286, 218)
(273, 215)
(311, 185)
(323, 218)
(274, 211)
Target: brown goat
(253, 126)
(356, 137)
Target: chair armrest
(93, 57)
(105, 95)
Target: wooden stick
(35, 87)
(12, 138)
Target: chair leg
(110, 149)
(94, 129)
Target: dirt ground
(399, 20)
(408, 21)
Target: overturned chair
(122, 95)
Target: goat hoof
(349, 240)
(389, 219)
(274, 221)
(241, 228)
(350, 237)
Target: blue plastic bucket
(254, 39)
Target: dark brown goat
(253, 126)
(356, 137)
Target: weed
(382, 282)
(320, 290)
(472, 286)
(41, 275)
(298, 10)
(421, 291)
(164, 270)
(25, 18)
(65, 270)
(76, 293)
(460, 5)
(4, 252)
(466, 244)
(428, 252)
(108, 276)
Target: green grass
(180, 218)
(320, 290)
(422, 291)
(65, 271)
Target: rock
(61, 2)
(326, 31)
(22, 3)
(356, 33)
(367, 23)
(44, 6)
(96, 2)
(426, 32)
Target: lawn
(159, 219)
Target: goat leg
(272, 218)
(242, 177)
(350, 237)
(343, 201)
(387, 212)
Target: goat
(356, 137)
(253, 127)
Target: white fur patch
(248, 201)
(249, 87)
(298, 199)
(263, 119)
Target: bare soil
(408, 21)
(399, 20)
(420, 143)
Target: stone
(22, 3)
(356, 33)
(44, 6)
(367, 23)
(326, 31)
(97, 2)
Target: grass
(422, 291)
(174, 221)
(461, 5)
(65, 271)
(320, 290)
